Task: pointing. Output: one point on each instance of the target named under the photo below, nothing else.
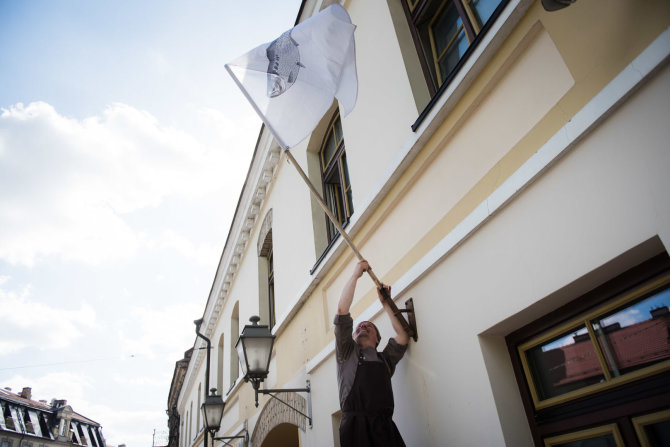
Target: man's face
(365, 334)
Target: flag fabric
(291, 81)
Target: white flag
(292, 80)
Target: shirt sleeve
(344, 342)
(393, 352)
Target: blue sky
(123, 150)
(631, 315)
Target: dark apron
(367, 412)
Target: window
(335, 177)
(9, 420)
(219, 364)
(604, 358)
(271, 288)
(653, 429)
(266, 276)
(197, 416)
(44, 426)
(234, 336)
(443, 31)
(27, 422)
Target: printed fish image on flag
(284, 64)
(292, 81)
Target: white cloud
(67, 185)
(156, 332)
(203, 254)
(73, 387)
(24, 322)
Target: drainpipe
(198, 323)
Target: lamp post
(213, 406)
(254, 348)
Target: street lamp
(212, 410)
(254, 348)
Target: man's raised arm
(401, 336)
(347, 296)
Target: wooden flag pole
(411, 331)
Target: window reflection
(564, 364)
(637, 335)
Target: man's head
(367, 334)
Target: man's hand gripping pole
(409, 327)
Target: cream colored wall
(376, 129)
(292, 233)
(557, 240)
(603, 199)
(471, 152)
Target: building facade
(174, 421)
(29, 423)
(506, 166)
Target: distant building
(30, 423)
(175, 388)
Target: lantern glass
(258, 352)
(254, 349)
(212, 410)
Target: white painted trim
(597, 109)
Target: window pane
(449, 40)
(333, 198)
(483, 10)
(658, 434)
(337, 127)
(565, 363)
(598, 441)
(328, 151)
(444, 27)
(636, 336)
(347, 186)
(450, 59)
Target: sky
(124, 146)
(627, 316)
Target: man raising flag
(291, 82)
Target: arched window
(234, 335)
(266, 276)
(197, 417)
(335, 176)
(219, 368)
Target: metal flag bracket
(410, 324)
(411, 317)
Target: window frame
(640, 422)
(271, 287)
(644, 391)
(629, 297)
(589, 433)
(470, 61)
(335, 166)
(422, 14)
